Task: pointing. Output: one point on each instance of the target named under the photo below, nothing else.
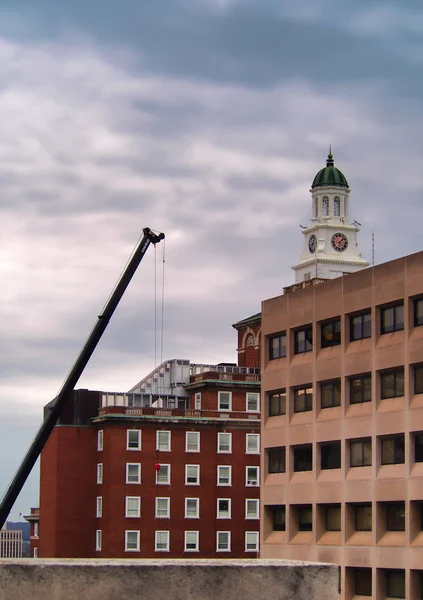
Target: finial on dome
(330, 162)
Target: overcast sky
(205, 119)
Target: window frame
(279, 396)
(219, 437)
(138, 446)
(362, 378)
(306, 397)
(323, 463)
(363, 334)
(197, 401)
(256, 502)
(137, 510)
(127, 478)
(228, 534)
(280, 351)
(307, 330)
(254, 534)
(252, 410)
(362, 442)
(249, 436)
(281, 452)
(168, 446)
(229, 484)
(247, 479)
(336, 335)
(219, 407)
(156, 542)
(416, 302)
(417, 450)
(417, 389)
(100, 440)
(218, 510)
(137, 542)
(396, 326)
(395, 373)
(333, 384)
(158, 510)
(98, 540)
(295, 450)
(197, 541)
(197, 481)
(99, 473)
(98, 507)
(397, 452)
(168, 473)
(187, 443)
(196, 502)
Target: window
(252, 443)
(325, 206)
(133, 439)
(192, 508)
(392, 450)
(278, 514)
(97, 540)
(418, 447)
(223, 508)
(333, 517)
(163, 475)
(225, 401)
(277, 403)
(224, 443)
(330, 455)
(223, 541)
(305, 518)
(192, 441)
(315, 208)
(252, 509)
(252, 476)
(251, 541)
(100, 440)
(392, 318)
(362, 582)
(303, 399)
(162, 508)
(277, 346)
(191, 541)
(330, 333)
(395, 583)
(35, 529)
(361, 453)
(132, 541)
(418, 379)
(395, 516)
(303, 458)
(360, 388)
(418, 312)
(361, 326)
(330, 394)
(192, 474)
(224, 475)
(336, 207)
(99, 507)
(35, 555)
(133, 505)
(253, 401)
(133, 473)
(197, 401)
(303, 340)
(392, 384)
(276, 459)
(163, 441)
(161, 542)
(362, 517)
(100, 473)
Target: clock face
(312, 243)
(339, 242)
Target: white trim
(257, 511)
(256, 535)
(256, 410)
(138, 465)
(100, 439)
(156, 512)
(167, 541)
(159, 433)
(137, 547)
(139, 444)
(168, 475)
(195, 434)
(197, 542)
(228, 549)
(98, 540)
(230, 401)
(219, 434)
(137, 508)
(99, 473)
(230, 475)
(252, 436)
(229, 501)
(197, 468)
(197, 508)
(246, 476)
(99, 507)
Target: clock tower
(330, 240)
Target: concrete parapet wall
(73, 579)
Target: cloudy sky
(205, 119)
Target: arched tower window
(250, 340)
(315, 209)
(337, 207)
(325, 206)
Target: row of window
(360, 453)
(192, 508)
(191, 541)
(392, 581)
(192, 441)
(325, 207)
(192, 475)
(360, 327)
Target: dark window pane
(330, 334)
(367, 325)
(277, 346)
(305, 518)
(278, 518)
(303, 340)
(331, 455)
(363, 517)
(392, 384)
(333, 518)
(395, 583)
(395, 516)
(393, 450)
(330, 394)
(276, 457)
(392, 318)
(303, 458)
(361, 453)
(418, 312)
(277, 403)
(418, 448)
(360, 389)
(363, 582)
(303, 399)
(418, 380)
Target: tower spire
(330, 162)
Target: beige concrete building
(10, 543)
(342, 430)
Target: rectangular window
(35, 529)
(330, 333)
(191, 541)
(418, 379)
(223, 541)
(277, 403)
(161, 541)
(197, 401)
(330, 394)
(132, 541)
(35, 555)
(333, 517)
(192, 474)
(303, 457)
(98, 540)
(223, 508)
(360, 327)
(303, 399)
(224, 443)
(305, 518)
(363, 517)
(163, 441)
(392, 318)
(192, 508)
(224, 400)
(278, 513)
(276, 459)
(418, 311)
(100, 473)
(100, 440)
(192, 441)
(395, 583)
(330, 455)
(251, 541)
(99, 507)
(162, 508)
(392, 450)
(277, 346)
(252, 509)
(133, 439)
(252, 443)
(360, 388)
(253, 401)
(224, 475)
(362, 582)
(395, 516)
(163, 475)
(392, 384)
(361, 453)
(418, 447)
(303, 340)
(133, 473)
(252, 476)
(132, 506)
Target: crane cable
(162, 305)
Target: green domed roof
(330, 175)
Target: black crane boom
(75, 373)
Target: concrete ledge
(75, 579)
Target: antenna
(373, 248)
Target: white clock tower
(330, 240)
